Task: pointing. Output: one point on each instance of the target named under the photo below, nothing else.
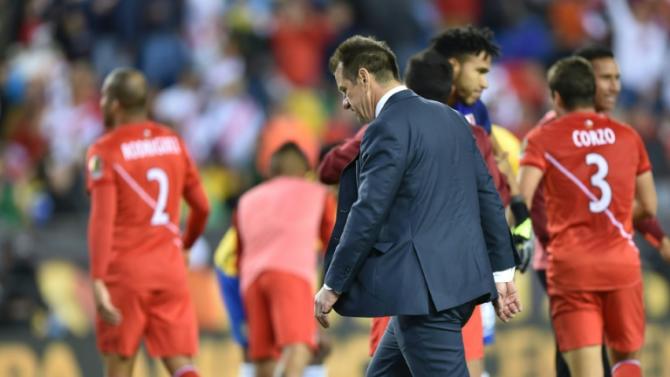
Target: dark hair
(457, 42)
(289, 148)
(365, 52)
(573, 79)
(129, 87)
(594, 52)
(429, 75)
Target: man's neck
(584, 109)
(127, 119)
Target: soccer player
(470, 51)
(278, 224)
(608, 86)
(137, 174)
(593, 168)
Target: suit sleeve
(197, 202)
(382, 165)
(492, 217)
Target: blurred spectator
(20, 299)
(639, 44)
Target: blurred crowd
(223, 71)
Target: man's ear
(455, 65)
(364, 76)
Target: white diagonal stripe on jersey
(142, 194)
(617, 224)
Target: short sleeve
(533, 151)
(643, 163)
(99, 168)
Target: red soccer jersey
(590, 165)
(137, 176)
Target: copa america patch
(95, 167)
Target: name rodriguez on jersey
(157, 146)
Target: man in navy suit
(427, 230)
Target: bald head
(124, 95)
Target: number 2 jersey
(590, 164)
(137, 175)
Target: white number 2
(160, 217)
(598, 180)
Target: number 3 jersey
(137, 175)
(590, 164)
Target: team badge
(95, 167)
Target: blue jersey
(476, 114)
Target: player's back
(149, 168)
(591, 165)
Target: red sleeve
(486, 149)
(533, 151)
(101, 228)
(339, 157)
(100, 185)
(643, 164)
(197, 202)
(328, 219)
(99, 169)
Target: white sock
(315, 371)
(247, 370)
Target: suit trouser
(423, 345)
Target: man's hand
(664, 249)
(323, 304)
(508, 303)
(103, 304)
(524, 242)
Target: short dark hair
(429, 75)
(594, 52)
(365, 52)
(129, 87)
(287, 149)
(573, 79)
(461, 41)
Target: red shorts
(164, 318)
(582, 318)
(473, 336)
(280, 311)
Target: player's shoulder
(103, 144)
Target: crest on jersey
(95, 167)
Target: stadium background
(221, 72)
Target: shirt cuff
(504, 276)
(327, 287)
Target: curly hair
(468, 40)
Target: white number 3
(598, 180)
(160, 217)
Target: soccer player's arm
(101, 187)
(339, 157)
(533, 165)
(646, 202)
(197, 202)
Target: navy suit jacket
(420, 226)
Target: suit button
(344, 210)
